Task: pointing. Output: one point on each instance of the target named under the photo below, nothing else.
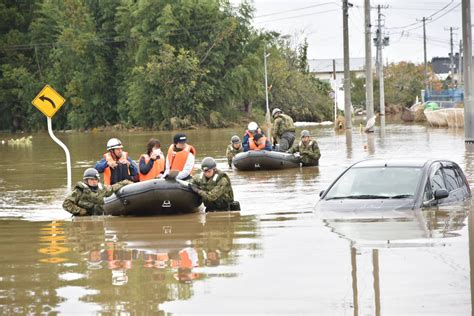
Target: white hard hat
(252, 126)
(275, 111)
(114, 143)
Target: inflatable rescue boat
(265, 160)
(153, 197)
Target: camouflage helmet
(305, 133)
(91, 173)
(208, 163)
(235, 139)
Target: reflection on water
(276, 257)
(374, 236)
(396, 228)
(122, 264)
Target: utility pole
(451, 57)
(369, 88)
(335, 88)
(267, 108)
(380, 41)
(460, 72)
(427, 82)
(468, 87)
(347, 72)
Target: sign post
(48, 101)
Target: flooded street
(277, 256)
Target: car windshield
(376, 183)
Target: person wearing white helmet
(87, 197)
(255, 139)
(307, 150)
(233, 149)
(116, 164)
(283, 130)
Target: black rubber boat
(152, 197)
(264, 160)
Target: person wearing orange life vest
(116, 165)
(255, 139)
(151, 164)
(180, 158)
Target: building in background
(323, 69)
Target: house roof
(325, 65)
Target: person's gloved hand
(297, 155)
(194, 187)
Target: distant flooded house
(323, 69)
(441, 67)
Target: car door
(455, 183)
(436, 181)
(432, 183)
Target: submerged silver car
(395, 184)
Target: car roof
(396, 162)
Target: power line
(297, 9)
(107, 40)
(298, 16)
(428, 17)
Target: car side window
(437, 180)
(452, 179)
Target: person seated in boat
(214, 187)
(307, 150)
(283, 130)
(87, 197)
(116, 165)
(180, 157)
(152, 164)
(255, 139)
(233, 149)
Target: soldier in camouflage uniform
(233, 149)
(307, 150)
(213, 186)
(87, 197)
(283, 130)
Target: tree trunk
(248, 106)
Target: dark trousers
(286, 141)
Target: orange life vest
(256, 145)
(177, 159)
(108, 171)
(158, 167)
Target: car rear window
(384, 182)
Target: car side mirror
(441, 194)
(321, 193)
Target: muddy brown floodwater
(276, 256)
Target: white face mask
(157, 151)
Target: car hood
(373, 208)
